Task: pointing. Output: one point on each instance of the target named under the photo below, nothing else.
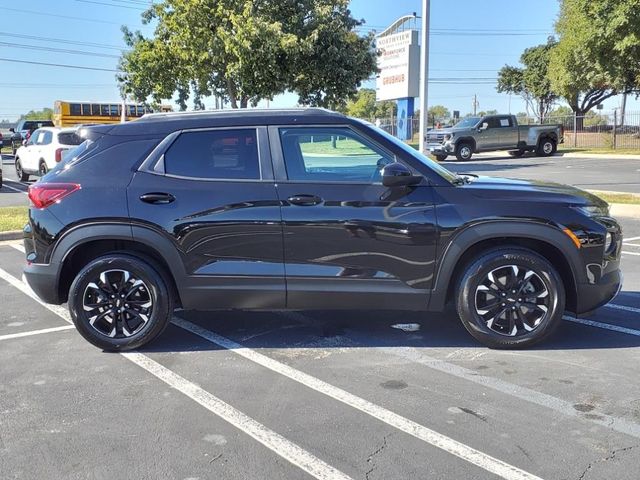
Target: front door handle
(157, 198)
(305, 200)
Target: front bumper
(440, 148)
(594, 296)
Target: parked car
(23, 129)
(494, 132)
(44, 150)
(269, 210)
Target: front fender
(461, 241)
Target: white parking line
(632, 239)
(605, 326)
(624, 308)
(35, 332)
(465, 452)
(14, 189)
(631, 253)
(275, 442)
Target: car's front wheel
(120, 302)
(464, 152)
(441, 158)
(510, 298)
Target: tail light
(44, 194)
(59, 154)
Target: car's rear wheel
(510, 298)
(42, 168)
(464, 152)
(120, 302)
(547, 147)
(23, 177)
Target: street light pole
(424, 77)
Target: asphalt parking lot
(318, 395)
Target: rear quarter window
(69, 138)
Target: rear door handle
(157, 198)
(305, 200)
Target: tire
(23, 177)
(464, 152)
(487, 316)
(441, 158)
(42, 168)
(516, 153)
(546, 147)
(115, 326)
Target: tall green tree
(44, 114)
(598, 52)
(364, 105)
(248, 50)
(439, 113)
(531, 81)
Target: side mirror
(483, 127)
(12, 130)
(397, 175)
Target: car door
(489, 137)
(349, 241)
(211, 193)
(508, 132)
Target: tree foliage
(598, 52)
(248, 50)
(44, 114)
(439, 113)
(364, 105)
(531, 81)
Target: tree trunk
(232, 94)
(244, 102)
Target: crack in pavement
(611, 456)
(373, 454)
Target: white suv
(44, 150)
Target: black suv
(304, 209)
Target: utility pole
(424, 77)
(475, 104)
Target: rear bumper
(592, 297)
(43, 280)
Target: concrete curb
(11, 235)
(625, 210)
(603, 156)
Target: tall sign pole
(424, 77)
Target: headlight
(608, 242)
(448, 137)
(593, 210)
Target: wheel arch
(84, 243)
(470, 140)
(547, 241)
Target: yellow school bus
(68, 114)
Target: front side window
(214, 154)
(332, 154)
(75, 109)
(45, 137)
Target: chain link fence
(597, 129)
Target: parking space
(13, 192)
(365, 394)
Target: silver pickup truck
(495, 132)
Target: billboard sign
(399, 65)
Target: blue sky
(91, 29)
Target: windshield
(467, 122)
(434, 166)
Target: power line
(58, 65)
(111, 5)
(46, 14)
(57, 50)
(56, 85)
(38, 38)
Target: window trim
(154, 163)
(280, 167)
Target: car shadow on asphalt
(362, 329)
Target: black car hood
(514, 189)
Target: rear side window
(214, 154)
(69, 138)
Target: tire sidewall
(549, 141)
(459, 155)
(162, 301)
(477, 272)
